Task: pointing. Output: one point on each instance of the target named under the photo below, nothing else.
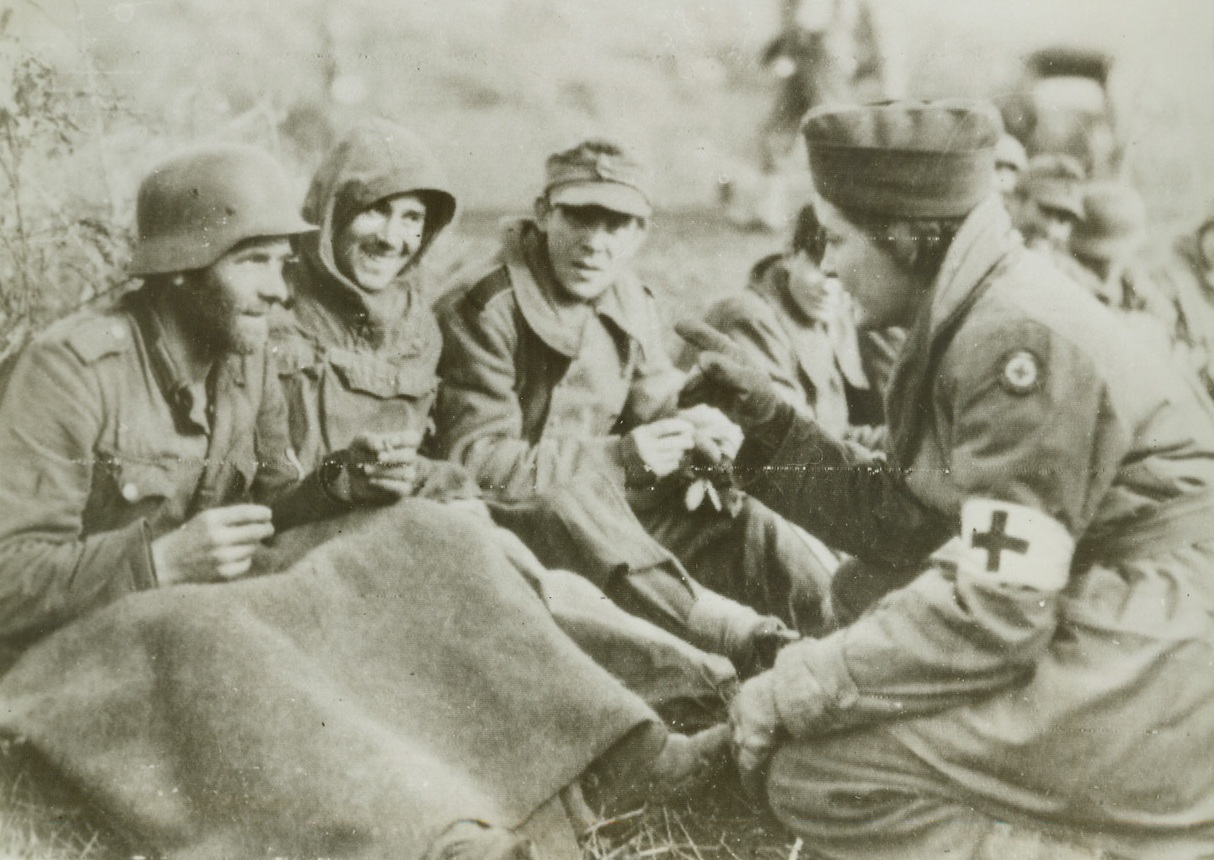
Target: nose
(827, 266)
(393, 231)
(596, 238)
(273, 287)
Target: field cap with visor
(196, 206)
(1054, 181)
(904, 159)
(1114, 223)
(598, 172)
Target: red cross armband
(1015, 545)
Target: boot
(654, 765)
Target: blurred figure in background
(827, 51)
(1047, 202)
(1187, 280)
(1106, 246)
(797, 323)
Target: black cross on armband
(997, 540)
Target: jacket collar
(984, 241)
(985, 238)
(534, 284)
(187, 396)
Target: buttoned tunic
(106, 447)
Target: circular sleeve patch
(1021, 372)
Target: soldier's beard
(215, 321)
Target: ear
(542, 209)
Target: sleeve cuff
(811, 683)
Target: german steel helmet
(196, 206)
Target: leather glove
(727, 378)
(755, 731)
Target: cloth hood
(376, 159)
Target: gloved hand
(755, 730)
(723, 626)
(726, 377)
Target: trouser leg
(865, 796)
(588, 527)
(687, 686)
(756, 558)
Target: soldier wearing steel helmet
(145, 444)
(1032, 672)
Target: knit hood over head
(376, 159)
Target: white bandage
(1015, 545)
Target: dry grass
(43, 820)
(717, 826)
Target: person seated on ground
(358, 352)
(1186, 278)
(1047, 202)
(129, 432)
(558, 391)
(305, 712)
(1105, 249)
(1041, 678)
(799, 324)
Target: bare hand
(715, 435)
(660, 445)
(384, 466)
(216, 544)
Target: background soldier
(1106, 247)
(1187, 280)
(1047, 202)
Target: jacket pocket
(370, 374)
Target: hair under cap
(904, 159)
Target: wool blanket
(397, 674)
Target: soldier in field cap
(1048, 201)
(1025, 671)
(559, 395)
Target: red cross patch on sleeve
(1015, 544)
(1021, 372)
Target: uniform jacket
(526, 401)
(105, 449)
(818, 364)
(1076, 688)
(353, 361)
(1189, 286)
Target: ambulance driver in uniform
(1042, 673)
